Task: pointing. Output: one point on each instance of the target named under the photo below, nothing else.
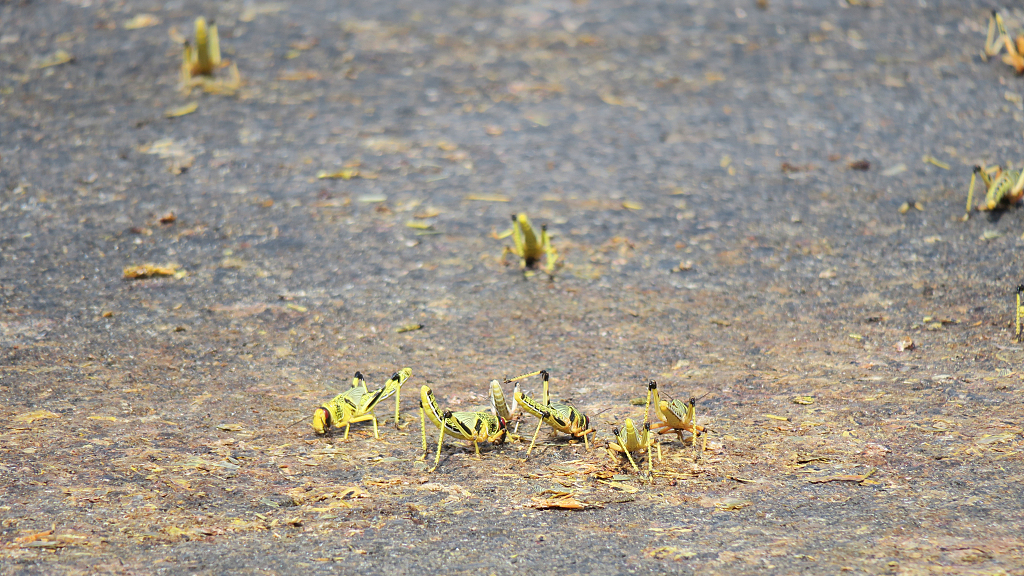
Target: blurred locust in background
(528, 247)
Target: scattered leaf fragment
(774, 417)
(372, 198)
(732, 504)
(57, 58)
(150, 270)
(409, 328)
(862, 165)
(30, 417)
(842, 477)
(725, 161)
(894, 170)
(141, 21)
(493, 130)
(629, 489)
(631, 205)
(827, 274)
(991, 235)
(803, 400)
(558, 500)
(720, 322)
(997, 438)
(230, 427)
(427, 213)
(344, 174)
(488, 197)
(181, 110)
(33, 537)
(929, 159)
(672, 553)
(905, 343)
(296, 307)
(108, 418)
(685, 265)
(856, 337)
(418, 225)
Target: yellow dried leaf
(612, 100)
(418, 225)
(842, 477)
(108, 418)
(672, 553)
(732, 504)
(230, 427)
(620, 486)
(997, 438)
(631, 205)
(428, 213)
(55, 59)
(344, 174)
(774, 417)
(181, 110)
(141, 21)
(488, 197)
(149, 270)
(296, 307)
(408, 328)
(803, 400)
(30, 417)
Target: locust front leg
(540, 422)
(437, 459)
(423, 431)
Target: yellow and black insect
(994, 43)
(675, 416)
(561, 417)
(356, 404)
(500, 404)
(528, 246)
(1003, 188)
(199, 64)
(473, 426)
(632, 439)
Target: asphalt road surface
(757, 204)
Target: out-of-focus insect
(356, 404)
(1003, 188)
(1019, 316)
(562, 417)
(473, 426)
(528, 246)
(199, 64)
(998, 38)
(675, 416)
(632, 439)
